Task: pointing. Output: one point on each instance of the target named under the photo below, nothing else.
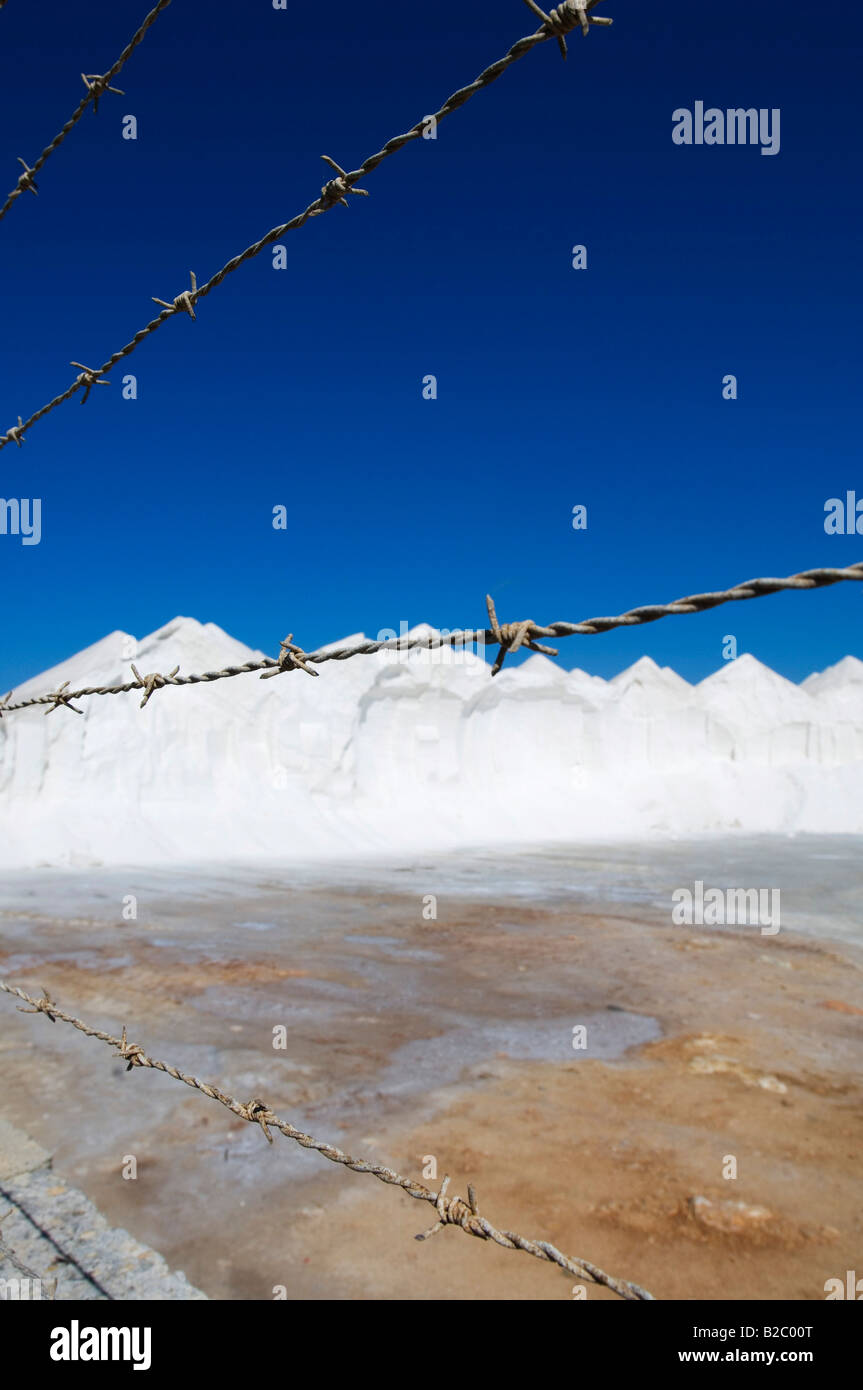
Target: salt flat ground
(410, 1036)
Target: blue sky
(556, 387)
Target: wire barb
(150, 684)
(259, 1113)
(291, 658)
(184, 302)
(131, 1053)
(14, 433)
(27, 179)
(4, 703)
(97, 85)
(453, 1211)
(60, 698)
(566, 17)
(514, 635)
(45, 1006)
(337, 189)
(88, 378)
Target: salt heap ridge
(405, 751)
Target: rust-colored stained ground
(759, 1062)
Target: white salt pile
(399, 752)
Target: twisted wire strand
(507, 637)
(95, 88)
(451, 1211)
(566, 16)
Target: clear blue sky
(302, 387)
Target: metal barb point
(42, 1006)
(89, 377)
(15, 432)
(259, 1113)
(336, 190)
(452, 1211)
(27, 180)
(150, 684)
(131, 1053)
(184, 303)
(511, 636)
(439, 1206)
(60, 699)
(290, 658)
(97, 83)
(565, 17)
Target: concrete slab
(18, 1152)
(51, 1232)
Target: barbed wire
(560, 22)
(508, 637)
(97, 84)
(451, 1211)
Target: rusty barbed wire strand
(451, 1211)
(508, 637)
(561, 21)
(97, 84)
